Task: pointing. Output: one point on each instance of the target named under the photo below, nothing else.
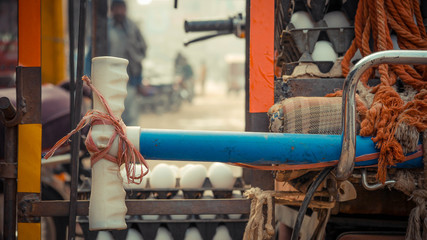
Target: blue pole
(249, 147)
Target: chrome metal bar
(348, 147)
(375, 186)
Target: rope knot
(256, 225)
(127, 153)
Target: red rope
(374, 20)
(127, 153)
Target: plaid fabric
(307, 115)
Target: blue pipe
(251, 147)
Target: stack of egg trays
(298, 44)
(207, 228)
(148, 228)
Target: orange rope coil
(373, 21)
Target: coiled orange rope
(127, 153)
(373, 21)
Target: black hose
(308, 196)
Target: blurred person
(184, 73)
(126, 41)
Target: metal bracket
(25, 207)
(376, 186)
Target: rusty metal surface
(313, 87)
(25, 201)
(140, 207)
(31, 92)
(383, 202)
(8, 170)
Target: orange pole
(261, 56)
(29, 33)
(29, 132)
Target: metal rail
(348, 147)
(141, 207)
(75, 139)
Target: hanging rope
(256, 226)
(373, 21)
(127, 153)
(417, 223)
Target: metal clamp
(375, 186)
(348, 148)
(25, 207)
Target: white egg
(336, 19)
(176, 170)
(222, 233)
(133, 234)
(221, 176)
(179, 195)
(208, 194)
(193, 177)
(323, 51)
(237, 171)
(162, 176)
(104, 235)
(138, 168)
(236, 194)
(192, 233)
(163, 234)
(395, 43)
(185, 168)
(302, 19)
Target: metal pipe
(71, 58)
(75, 139)
(251, 147)
(10, 184)
(375, 186)
(348, 148)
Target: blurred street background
(218, 104)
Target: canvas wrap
(307, 115)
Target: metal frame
(31, 206)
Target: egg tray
(188, 193)
(325, 69)
(295, 42)
(169, 193)
(148, 230)
(324, 66)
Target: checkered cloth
(307, 115)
